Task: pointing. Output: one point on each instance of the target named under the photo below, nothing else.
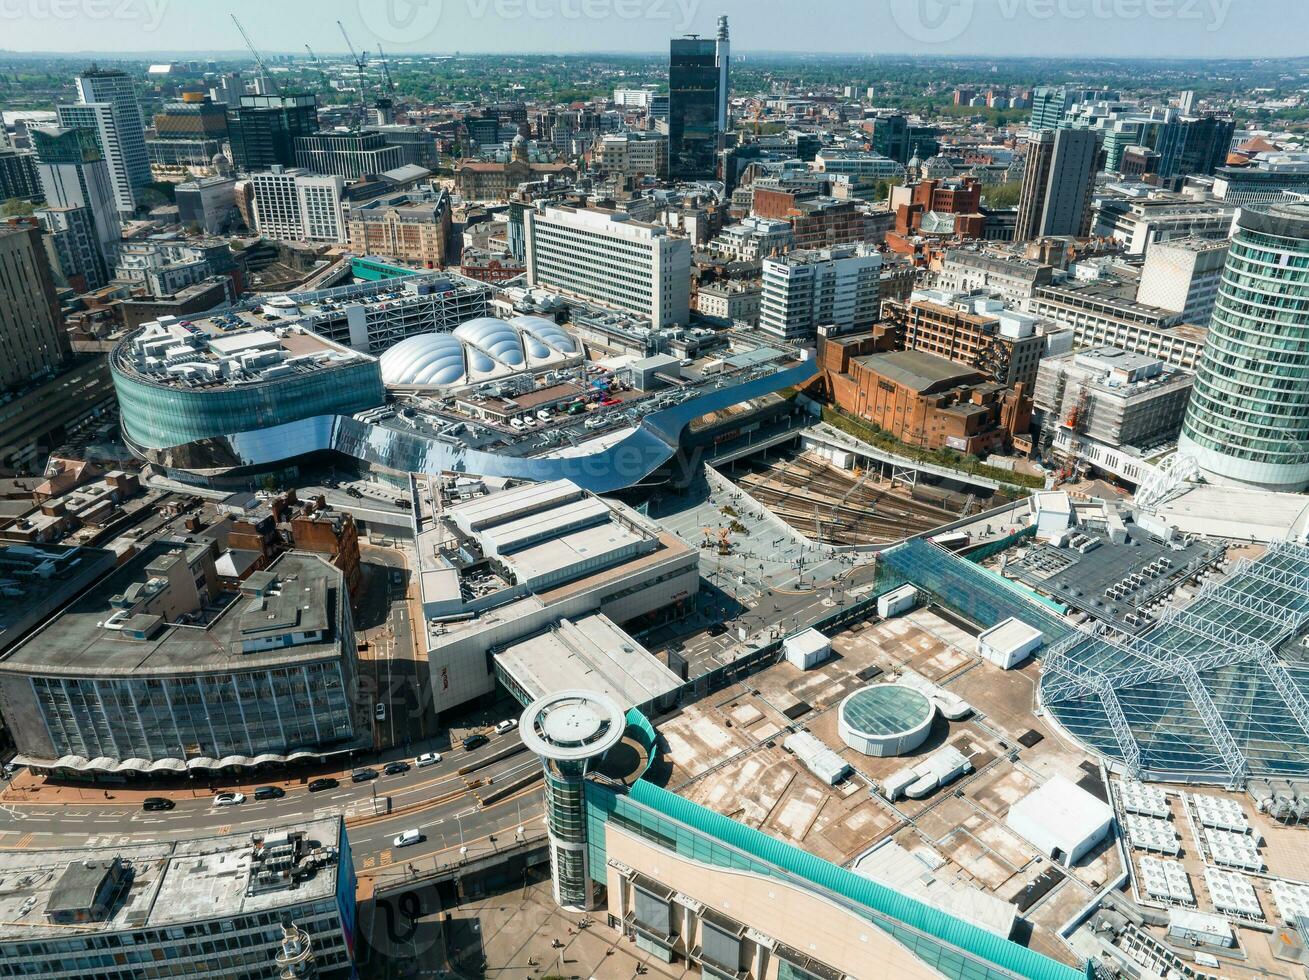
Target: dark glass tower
(693, 79)
(263, 129)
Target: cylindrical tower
(295, 957)
(568, 731)
(1248, 420)
(723, 56)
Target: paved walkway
(522, 934)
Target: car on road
(153, 803)
(229, 799)
(395, 768)
(427, 759)
(407, 838)
(379, 711)
(508, 725)
(475, 741)
(327, 782)
(269, 793)
(363, 775)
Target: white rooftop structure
(817, 757)
(1061, 819)
(807, 648)
(1009, 642)
(918, 874)
(483, 349)
(1238, 513)
(593, 651)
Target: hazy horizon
(1121, 29)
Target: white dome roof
(478, 350)
(428, 359)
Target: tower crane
(263, 69)
(318, 63)
(361, 62)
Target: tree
(16, 207)
(1003, 195)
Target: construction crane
(263, 69)
(386, 103)
(386, 71)
(318, 63)
(360, 63)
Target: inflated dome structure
(485, 349)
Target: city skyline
(996, 28)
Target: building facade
(349, 155)
(633, 153)
(693, 106)
(807, 289)
(32, 338)
(927, 401)
(147, 674)
(108, 105)
(603, 257)
(298, 205)
(133, 910)
(411, 227)
(1013, 279)
(18, 176)
(972, 330)
(263, 129)
(1103, 318)
(1248, 421)
(74, 174)
(1058, 183)
(1183, 276)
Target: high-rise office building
(18, 177)
(350, 154)
(697, 103)
(604, 257)
(32, 338)
(811, 288)
(1248, 420)
(262, 129)
(297, 205)
(106, 104)
(75, 176)
(1058, 182)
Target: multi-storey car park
(221, 399)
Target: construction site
(833, 506)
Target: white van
(407, 838)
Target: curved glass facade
(160, 416)
(619, 464)
(1248, 419)
(239, 713)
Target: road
(437, 801)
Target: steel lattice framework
(1203, 693)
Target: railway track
(825, 505)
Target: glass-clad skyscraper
(693, 80)
(1248, 421)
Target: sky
(1056, 28)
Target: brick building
(925, 400)
(1003, 345)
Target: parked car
(407, 838)
(363, 775)
(395, 768)
(427, 759)
(327, 782)
(269, 793)
(475, 741)
(153, 803)
(229, 799)
(508, 725)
